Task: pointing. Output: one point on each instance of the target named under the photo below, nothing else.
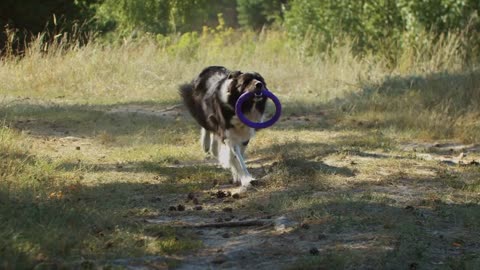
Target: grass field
(365, 165)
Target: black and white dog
(210, 99)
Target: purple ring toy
(248, 95)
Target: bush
(129, 15)
(257, 13)
(20, 21)
(383, 26)
(157, 16)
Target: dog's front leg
(238, 166)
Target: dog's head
(246, 82)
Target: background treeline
(379, 25)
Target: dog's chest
(240, 132)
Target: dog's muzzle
(258, 95)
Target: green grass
(85, 156)
(54, 212)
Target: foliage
(33, 15)
(24, 19)
(257, 13)
(438, 15)
(130, 15)
(364, 20)
(378, 25)
(157, 16)
(382, 27)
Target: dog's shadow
(309, 167)
(297, 167)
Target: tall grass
(428, 90)
(151, 68)
(432, 93)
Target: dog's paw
(236, 178)
(249, 187)
(246, 181)
(257, 183)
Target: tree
(27, 18)
(377, 24)
(257, 13)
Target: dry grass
(429, 92)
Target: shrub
(383, 26)
(257, 13)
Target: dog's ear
(234, 74)
(259, 77)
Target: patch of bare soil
(232, 239)
(171, 112)
(58, 140)
(446, 152)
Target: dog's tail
(194, 106)
(186, 92)
(205, 140)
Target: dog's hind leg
(205, 140)
(214, 143)
(224, 156)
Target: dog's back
(193, 93)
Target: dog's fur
(210, 99)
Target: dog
(210, 99)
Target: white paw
(236, 179)
(246, 181)
(247, 186)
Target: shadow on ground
(338, 229)
(61, 120)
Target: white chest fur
(240, 132)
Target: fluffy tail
(186, 91)
(194, 106)
(205, 140)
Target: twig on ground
(171, 108)
(243, 223)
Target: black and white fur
(210, 99)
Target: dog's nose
(258, 86)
